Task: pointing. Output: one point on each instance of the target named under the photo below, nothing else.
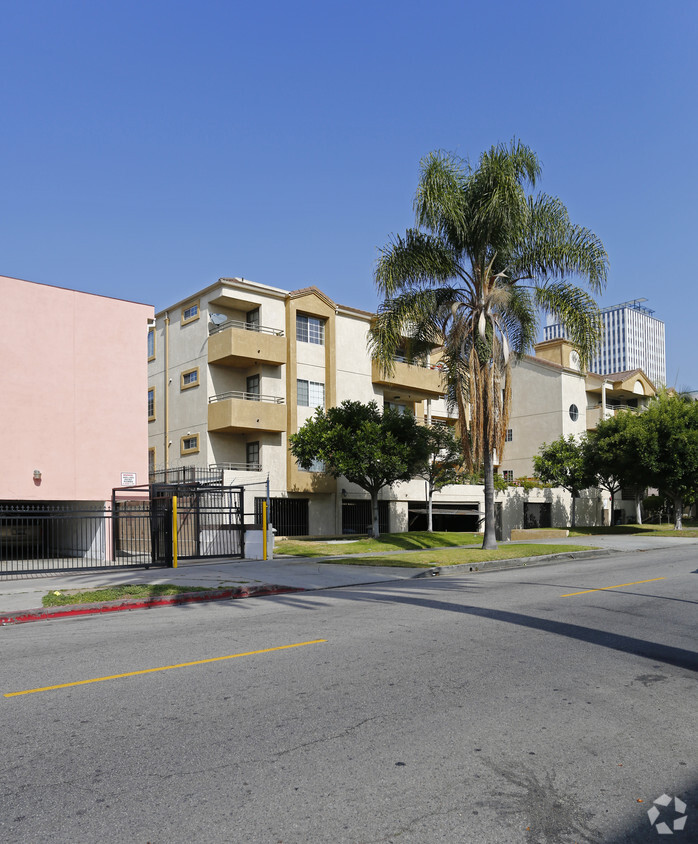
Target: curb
(519, 562)
(49, 613)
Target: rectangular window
(310, 329)
(189, 378)
(510, 436)
(252, 320)
(252, 388)
(508, 474)
(315, 466)
(253, 463)
(151, 462)
(190, 313)
(151, 404)
(189, 444)
(151, 344)
(311, 393)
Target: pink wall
(74, 391)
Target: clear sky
(149, 148)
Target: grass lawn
(60, 598)
(344, 546)
(690, 530)
(456, 556)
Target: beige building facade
(238, 367)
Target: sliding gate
(209, 522)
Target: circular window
(574, 412)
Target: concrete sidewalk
(21, 596)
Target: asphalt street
(546, 704)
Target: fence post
(264, 530)
(174, 531)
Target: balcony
(595, 412)
(241, 344)
(238, 412)
(420, 381)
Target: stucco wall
(74, 399)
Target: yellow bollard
(174, 531)
(264, 530)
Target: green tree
(443, 464)
(670, 449)
(563, 463)
(615, 449)
(484, 256)
(369, 448)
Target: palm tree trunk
(573, 510)
(430, 520)
(489, 540)
(638, 507)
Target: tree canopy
(443, 464)
(484, 256)
(369, 448)
(564, 463)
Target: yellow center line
(163, 668)
(605, 588)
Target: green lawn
(60, 598)
(690, 530)
(388, 542)
(457, 556)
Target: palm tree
(484, 257)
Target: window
(509, 436)
(508, 474)
(151, 344)
(311, 393)
(398, 408)
(151, 404)
(574, 412)
(252, 388)
(189, 444)
(252, 460)
(151, 462)
(190, 378)
(315, 466)
(190, 313)
(252, 320)
(310, 329)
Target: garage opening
(445, 516)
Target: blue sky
(149, 148)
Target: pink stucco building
(73, 405)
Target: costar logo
(662, 827)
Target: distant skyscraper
(632, 339)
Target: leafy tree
(563, 463)
(443, 464)
(484, 256)
(670, 453)
(614, 451)
(369, 448)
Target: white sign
(128, 479)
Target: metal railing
(236, 467)
(241, 394)
(245, 326)
(416, 362)
(186, 475)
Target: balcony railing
(421, 363)
(246, 326)
(240, 394)
(236, 467)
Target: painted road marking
(605, 588)
(163, 668)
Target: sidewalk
(20, 597)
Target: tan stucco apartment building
(237, 367)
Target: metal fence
(136, 530)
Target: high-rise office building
(633, 338)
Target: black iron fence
(136, 530)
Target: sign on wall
(128, 479)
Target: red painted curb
(48, 613)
